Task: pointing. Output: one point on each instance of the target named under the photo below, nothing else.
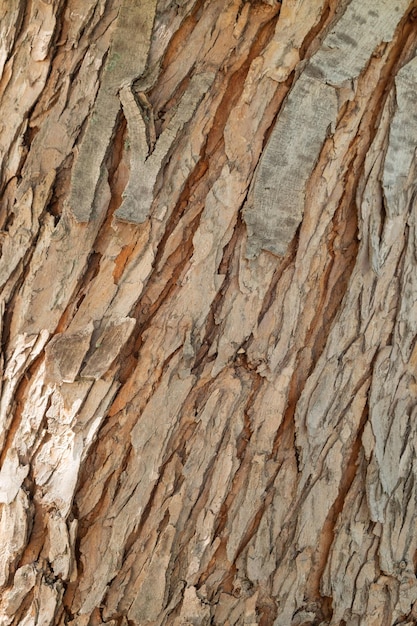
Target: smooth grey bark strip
(276, 211)
(346, 50)
(402, 141)
(126, 62)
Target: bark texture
(208, 312)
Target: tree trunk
(208, 274)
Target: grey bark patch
(126, 62)
(87, 169)
(402, 141)
(346, 50)
(275, 210)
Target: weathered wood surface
(208, 313)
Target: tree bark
(208, 318)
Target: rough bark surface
(208, 312)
